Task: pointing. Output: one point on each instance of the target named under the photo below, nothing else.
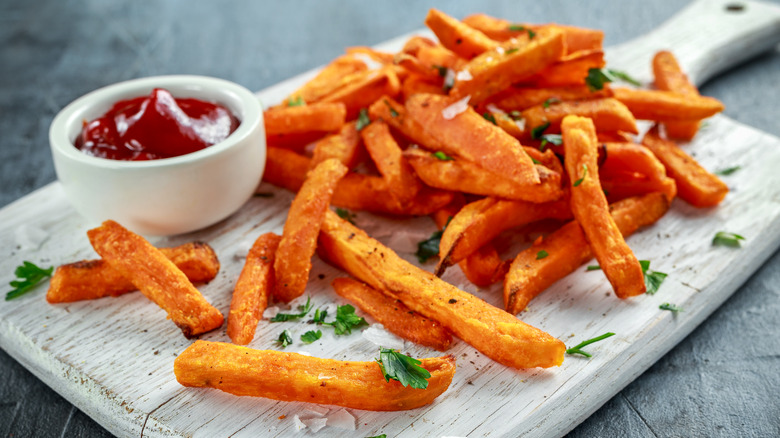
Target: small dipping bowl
(170, 195)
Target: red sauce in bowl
(154, 127)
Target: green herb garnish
(578, 348)
(584, 174)
(541, 254)
(402, 368)
(671, 307)
(28, 275)
(346, 215)
(362, 120)
(555, 139)
(597, 77)
(515, 115)
(725, 238)
(319, 316)
(593, 268)
(511, 51)
(302, 311)
(430, 247)
(521, 28)
(393, 112)
(284, 339)
(489, 117)
(442, 156)
(298, 101)
(653, 279)
(551, 101)
(623, 76)
(311, 336)
(537, 132)
(727, 171)
(346, 320)
(442, 70)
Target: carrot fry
(322, 117)
(344, 146)
(470, 136)
(670, 77)
(253, 287)
(461, 176)
(299, 239)
(156, 277)
(393, 314)
(332, 77)
(695, 184)
(520, 98)
(456, 36)
(388, 157)
(493, 332)
(667, 106)
(478, 223)
(91, 279)
(623, 159)
(590, 209)
(492, 72)
(608, 114)
(567, 248)
(364, 89)
(286, 376)
(395, 115)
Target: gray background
(722, 380)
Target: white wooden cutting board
(113, 358)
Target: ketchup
(154, 127)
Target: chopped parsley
(653, 279)
(298, 101)
(430, 247)
(597, 77)
(442, 70)
(727, 171)
(584, 174)
(442, 156)
(393, 112)
(346, 215)
(378, 436)
(593, 268)
(511, 51)
(284, 339)
(515, 115)
(319, 316)
(555, 139)
(550, 101)
(541, 254)
(537, 132)
(302, 311)
(346, 320)
(402, 368)
(725, 238)
(362, 120)
(489, 117)
(311, 336)
(521, 28)
(671, 307)
(623, 76)
(578, 348)
(28, 275)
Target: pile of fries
(494, 127)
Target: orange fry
(667, 106)
(91, 279)
(570, 70)
(253, 287)
(608, 114)
(395, 115)
(484, 266)
(321, 117)
(590, 209)
(344, 146)
(393, 314)
(364, 88)
(630, 158)
(388, 157)
(333, 76)
(299, 239)
(577, 38)
(458, 37)
(520, 98)
(286, 376)
(418, 84)
(670, 77)
(156, 277)
(695, 184)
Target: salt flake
(456, 108)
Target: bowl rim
(250, 106)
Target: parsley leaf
(515, 115)
(537, 132)
(346, 320)
(623, 76)
(653, 279)
(284, 339)
(28, 275)
(578, 348)
(311, 336)
(441, 69)
(584, 174)
(511, 51)
(727, 171)
(319, 316)
(593, 268)
(378, 436)
(596, 79)
(489, 117)
(346, 215)
(393, 112)
(402, 368)
(362, 120)
(521, 28)
(298, 101)
(555, 139)
(302, 311)
(671, 307)
(442, 156)
(551, 101)
(725, 238)
(541, 254)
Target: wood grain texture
(73, 249)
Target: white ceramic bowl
(171, 195)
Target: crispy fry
(364, 88)
(670, 77)
(299, 239)
(396, 116)
(332, 77)
(388, 157)
(568, 249)
(590, 209)
(470, 136)
(393, 314)
(456, 36)
(481, 221)
(418, 84)
(520, 98)
(493, 72)
(493, 332)
(253, 287)
(577, 38)
(375, 55)
(344, 146)
(484, 266)
(665, 106)
(321, 117)
(461, 176)
(415, 43)
(608, 114)
(286, 376)
(156, 277)
(285, 168)
(91, 279)
(570, 70)
(695, 184)
(624, 159)
(437, 56)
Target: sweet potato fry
(299, 239)
(416, 68)
(577, 38)
(389, 160)
(295, 142)
(493, 72)
(332, 77)
(365, 88)
(415, 43)
(286, 376)
(695, 184)
(631, 158)
(91, 279)
(470, 136)
(344, 146)
(590, 209)
(456, 36)
(285, 168)
(481, 221)
(570, 70)
(156, 277)
(462, 176)
(395, 115)
(437, 56)
(321, 117)
(375, 55)
(608, 114)
(484, 266)
(493, 332)
(670, 77)
(393, 314)
(520, 98)
(664, 106)
(567, 249)
(253, 287)
(415, 84)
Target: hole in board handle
(735, 7)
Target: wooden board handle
(707, 37)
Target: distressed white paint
(113, 357)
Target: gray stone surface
(722, 380)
